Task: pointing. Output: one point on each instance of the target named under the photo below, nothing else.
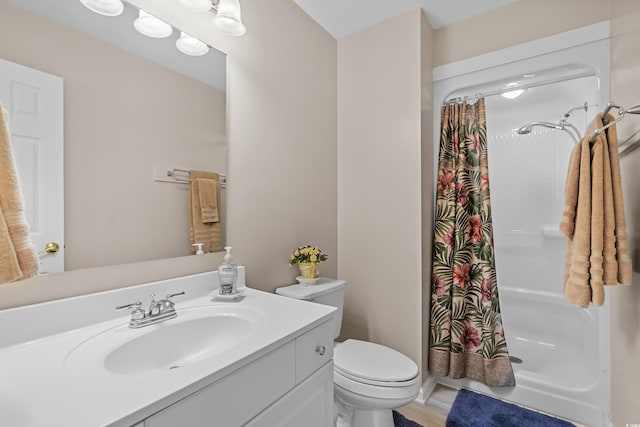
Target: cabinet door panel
(310, 404)
(234, 399)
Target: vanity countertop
(39, 387)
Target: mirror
(134, 109)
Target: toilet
(369, 380)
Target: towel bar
(175, 177)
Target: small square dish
(228, 297)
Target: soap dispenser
(228, 274)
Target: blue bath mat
(477, 410)
(400, 421)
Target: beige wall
(521, 21)
(516, 23)
(122, 115)
(427, 174)
(282, 153)
(379, 182)
(283, 130)
(282, 135)
(625, 322)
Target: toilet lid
(373, 362)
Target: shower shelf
(549, 230)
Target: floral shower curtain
(466, 335)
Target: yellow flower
(296, 253)
(313, 258)
(292, 257)
(316, 251)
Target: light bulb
(228, 18)
(104, 7)
(512, 94)
(190, 45)
(151, 26)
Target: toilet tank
(325, 291)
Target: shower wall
(527, 175)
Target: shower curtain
(466, 334)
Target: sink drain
(515, 359)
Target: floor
(434, 412)
(424, 415)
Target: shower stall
(560, 353)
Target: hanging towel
(623, 257)
(576, 287)
(208, 194)
(609, 239)
(201, 229)
(593, 219)
(596, 259)
(18, 257)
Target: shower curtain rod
(503, 89)
(621, 113)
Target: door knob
(50, 248)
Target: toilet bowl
(369, 379)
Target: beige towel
(596, 259)
(576, 287)
(208, 195)
(568, 223)
(207, 233)
(18, 257)
(621, 239)
(609, 244)
(593, 219)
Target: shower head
(529, 126)
(526, 129)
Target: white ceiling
(344, 17)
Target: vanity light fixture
(190, 45)
(151, 26)
(104, 7)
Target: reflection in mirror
(134, 108)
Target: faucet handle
(137, 313)
(133, 304)
(175, 295)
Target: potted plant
(307, 257)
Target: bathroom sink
(197, 334)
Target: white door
(34, 101)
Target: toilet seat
(373, 363)
(374, 370)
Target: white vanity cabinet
(291, 385)
(271, 366)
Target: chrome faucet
(158, 311)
